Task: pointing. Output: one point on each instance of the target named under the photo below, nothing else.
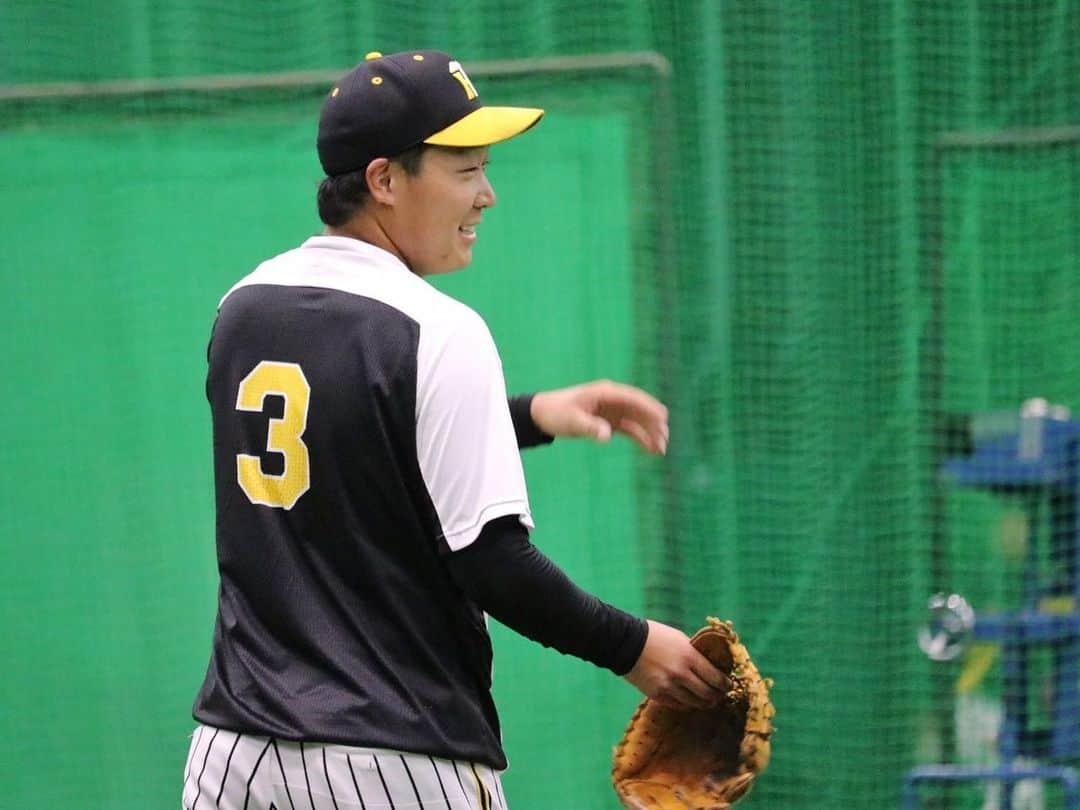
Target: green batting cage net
(840, 239)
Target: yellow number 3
(283, 435)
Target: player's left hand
(600, 408)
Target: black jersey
(361, 431)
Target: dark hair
(341, 195)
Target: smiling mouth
(468, 229)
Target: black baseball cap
(387, 104)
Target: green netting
(840, 239)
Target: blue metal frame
(955, 773)
(998, 464)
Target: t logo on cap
(387, 104)
(458, 72)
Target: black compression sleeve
(528, 434)
(512, 580)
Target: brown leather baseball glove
(699, 759)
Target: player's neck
(366, 229)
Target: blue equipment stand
(1040, 462)
(1008, 775)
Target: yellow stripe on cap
(486, 125)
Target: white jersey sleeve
(465, 440)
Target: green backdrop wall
(768, 221)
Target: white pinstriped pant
(234, 771)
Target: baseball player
(371, 504)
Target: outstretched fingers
(648, 442)
(634, 413)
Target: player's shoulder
(298, 266)
(357, 268)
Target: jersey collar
(356, 247)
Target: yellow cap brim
(486, 125)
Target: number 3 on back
(286, 380)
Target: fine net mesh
(840, 241)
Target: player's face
(438, 209)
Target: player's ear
(378, 177)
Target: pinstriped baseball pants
(234, 771)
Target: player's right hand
(674, 674)
(600, 408)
